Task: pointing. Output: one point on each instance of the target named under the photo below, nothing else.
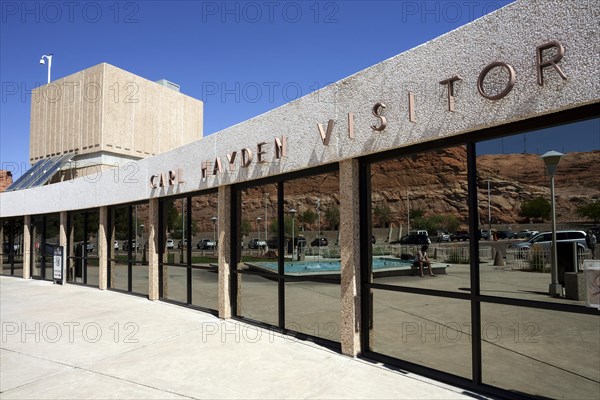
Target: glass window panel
(36, 243)
(313, 308)
(425, 330)
(515, 200)
(139, 279)
(205, 288)
(257, 298)
(258, 228)
(311, 223)
(541, 353)
(11, 262)
(205, 227)
(119, 255)
(421, 200)
(175, 283)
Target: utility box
(566, 259)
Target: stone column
(350, 257)
(27, 247)
(62, 241)
(103, 248)
(224, 215)
(153, 216)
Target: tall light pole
(214, 221)
(489, 213)
(43, 61)
(258, 219)
(143, 245)
(293, 212)
(266, 218)
(407, 213)
(551, 160)
(319, 228)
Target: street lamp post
(551, 160)
(143, 245)
(43, 61)
(266, 218)
(319, 228)
(489, 213)
(214, 221)
(258, 219)
(293, 212)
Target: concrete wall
(104, 108)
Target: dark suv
(415, 238)
(320, 242)
(459, 235)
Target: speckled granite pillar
(350, 257)
(153, 250)
(103, 248)
(224, 250)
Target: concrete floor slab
(175, 352)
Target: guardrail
(539, 259)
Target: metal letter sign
(58, 263)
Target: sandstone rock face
(436, 183)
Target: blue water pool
(307, 267)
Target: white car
(170, 244)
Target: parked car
(505, 235)
(170, 244)
(483, 234)
(443, 237)
(6, 247)
(319, 242)
(205, 244)
(89, 246)
(413, 238)
(459, 235)
(526, 234)
(116, 245)
(301, 242)
(134, 245)
(182, 244)
(273, 243)
(257, 244)
(545, 239)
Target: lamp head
(42, 61)
(551, 159)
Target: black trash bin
(566, 259)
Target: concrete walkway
(74, 342)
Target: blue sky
(219, 52)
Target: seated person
(422, 259)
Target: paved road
(74, 342)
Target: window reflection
(417, 201)
(515, 204)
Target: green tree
(383, 213)
(590, 211)
(287, 226)
(332, 215)
(416, 213)
(537, 209)
(245, 227)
